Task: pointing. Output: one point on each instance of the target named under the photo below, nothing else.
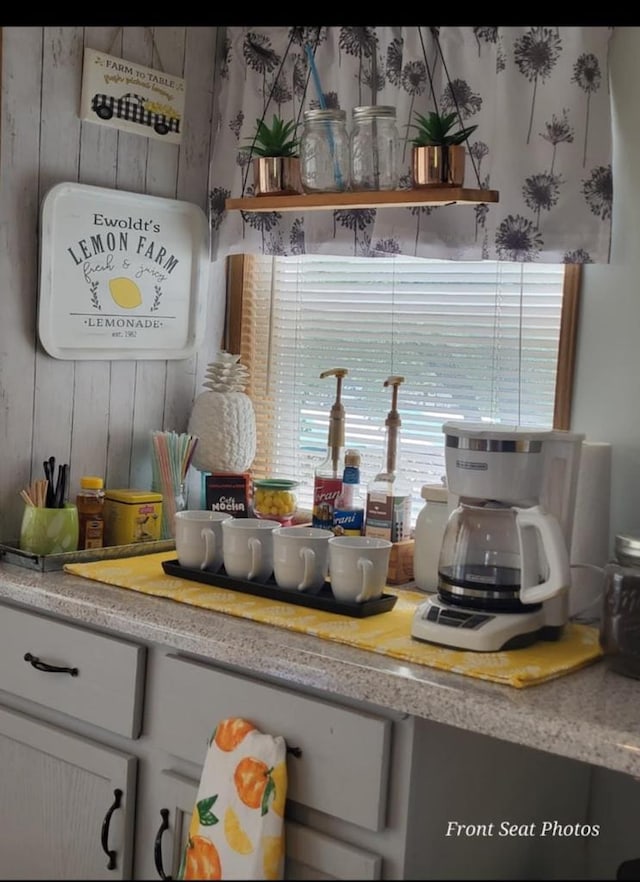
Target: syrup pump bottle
(348, 514)
(327, 479)
(389, 497)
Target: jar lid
(627, 548)
(328, 113)
(133, 496)
(275, 483)
(434, 493)
(91, 482)
(352, 458)
(372, 110)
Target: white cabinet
(66, 804)
(339, 765)
(342, 762)
(67, 799)
(90, 676)
(102, 741)
(309, 854)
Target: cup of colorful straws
(47, 530)
(171, 457)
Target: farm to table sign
(129, 96)
(122, 275)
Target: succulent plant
(277, 139)
(434, 130)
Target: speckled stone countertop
(592, 715)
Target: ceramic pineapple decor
(223, 418)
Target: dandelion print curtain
(539, 97)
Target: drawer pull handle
(43, 666)
(157, 848)
(111, 863)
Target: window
(485, 341)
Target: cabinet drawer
(344, 761)
(107, 689)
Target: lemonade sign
(116, 92)
(122, 275)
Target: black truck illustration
(133, 108)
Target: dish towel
(237, 825)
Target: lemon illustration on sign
(125, 292)
(236, 836)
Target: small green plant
(277, 139)
(434, 130)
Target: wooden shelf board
(364, 199)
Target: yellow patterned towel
(237, 827)
(388, 633)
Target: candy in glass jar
(275, 499)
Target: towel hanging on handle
(237, 825)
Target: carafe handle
(531, 523)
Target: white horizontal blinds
(474, 341)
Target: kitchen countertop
(592, 715)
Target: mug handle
(255, 546)
(209, 547)
(366, 568)
(309, 556)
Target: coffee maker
(503, 569)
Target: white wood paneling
(96, 415)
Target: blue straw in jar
(323, 105)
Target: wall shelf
(364, 199)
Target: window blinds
(475, 341)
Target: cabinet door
(308, 853)
(66, 804)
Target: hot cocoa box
(225, 492)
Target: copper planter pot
(276, 175)
(438, 166)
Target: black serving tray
(324, 599)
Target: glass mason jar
(324, 151)
(374, 148)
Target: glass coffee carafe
(503, 558)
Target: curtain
(539, 97)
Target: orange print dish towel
(237, 824)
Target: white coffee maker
(503, 569)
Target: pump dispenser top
(388, 514)
(328, 475)
(335, 442)
(393, 423)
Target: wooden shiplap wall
(96, 415)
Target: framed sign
(129, 96)
(121, 275)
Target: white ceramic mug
(358, 567)
(247, 548)
(301, 557)
(199, 538)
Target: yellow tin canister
(132, 516)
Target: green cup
(49, 530)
